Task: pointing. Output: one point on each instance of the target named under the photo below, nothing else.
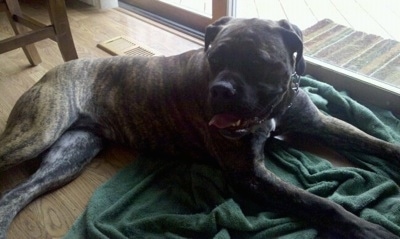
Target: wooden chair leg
(29, 50)
(59, 19)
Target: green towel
(175, 198)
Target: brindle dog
(223, 101)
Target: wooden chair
(58, 30)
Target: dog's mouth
(234, 127)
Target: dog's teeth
(237, 123)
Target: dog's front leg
(326, 216)
(61, 163)
(248, 172)
(305, 118)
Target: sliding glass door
(351, 44)
(192, 14)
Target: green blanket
(171, 198)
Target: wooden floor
(52, 215)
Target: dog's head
(253, 63)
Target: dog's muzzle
(233, 125)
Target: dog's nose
(222, 90)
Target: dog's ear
(293, 38)
(213, 29)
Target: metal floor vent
(123, 46)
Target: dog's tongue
(222, 121)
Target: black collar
(295, 78)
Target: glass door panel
(194, 14)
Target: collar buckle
(295, 78)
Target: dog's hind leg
(62, 162)
(38, 118)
